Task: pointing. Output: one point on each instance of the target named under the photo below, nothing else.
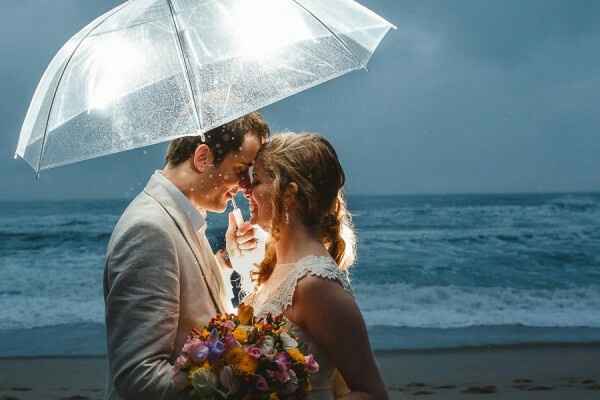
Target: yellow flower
(247, 364)
(245, 314)
(238, 359)
(240, 335)
(273, 396)
(296, 355)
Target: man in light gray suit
(161, 277)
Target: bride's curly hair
(309, 161)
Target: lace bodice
(277, 294)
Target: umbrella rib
(62, 73)
(335, 35)
(186, 69)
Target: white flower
(204, 381)
(268, 347)
(288, 341)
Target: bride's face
(261, 198)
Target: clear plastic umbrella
(152, 70)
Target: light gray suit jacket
(160, 280)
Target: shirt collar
(196, 216)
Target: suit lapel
(199, 246)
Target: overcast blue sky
(469, 96)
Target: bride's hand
(239, 239)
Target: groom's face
(224, 180)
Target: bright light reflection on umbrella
(150, 71)
(109, 79)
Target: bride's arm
(331, 317)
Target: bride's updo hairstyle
(316, 199)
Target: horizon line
(406, 194)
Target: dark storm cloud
(468, 96)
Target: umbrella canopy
(149, 71)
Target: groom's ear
(202, 158)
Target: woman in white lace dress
(297, 196)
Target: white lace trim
(280, 297)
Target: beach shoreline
(528, 371)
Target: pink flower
(230, 341)
(182, 362)
(189, 344)
(261, 384)
(311, 364)
(229, 324)
(254, 352)
(198, 352)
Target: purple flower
(311, 364)
(254, 352)
(199, 352)
(283, 361)
(216, 348)
(261, 384)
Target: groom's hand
(239, 239)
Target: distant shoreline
(541, 346)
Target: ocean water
(433, 271)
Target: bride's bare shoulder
(315, 294)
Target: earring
(287, 217)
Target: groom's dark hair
(221, 140)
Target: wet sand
(512, 372)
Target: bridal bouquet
(236, 357)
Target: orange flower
(296, 355)
(238, 359)
(234, 355)
(245, 314)
(247, 364)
